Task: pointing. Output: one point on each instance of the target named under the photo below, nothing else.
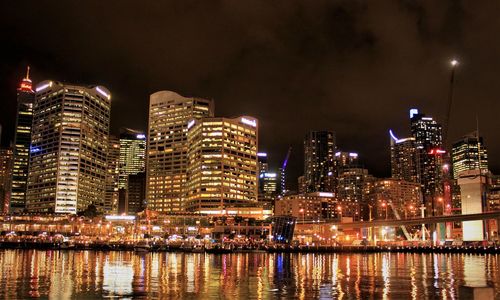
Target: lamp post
(303, 215)
(339, 209)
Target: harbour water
(118, 275)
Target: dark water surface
(127, 275)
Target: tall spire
(26, 84)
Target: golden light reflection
(91, 274)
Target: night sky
(354, 67)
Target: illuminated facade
(399, 199)
(473, 191)
(469, 153)
(22, 140)
(112, 176)
(351, 191)
(6, 163)
(167, 147)
(307, 207)
(404, 159)
(132, 154)
(69, 148)
(428, 141)
(222, 166)
(319, 149)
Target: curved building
(166, 158)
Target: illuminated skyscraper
(69, 148)
(132, 154)
(404, 159)
(319, 149)
(112, 176)
(428, 142)
(169, 114)
(222, 167)
(468, 153)
(22, 140)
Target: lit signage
(352, 154)
(246, 121)
(190, 124)
(120, 218)
(413, 112)
(43, 87)
(325, 194)
(141, 136)
(102, 92)
(35, 149)
(270, 175)
(262, 154)
(337, 153)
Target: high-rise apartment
(404, 159)
(222, 166)
(319, 149)
(469, 153)
(69, 148)
(22, 140)
(428, 142)
(170, 116)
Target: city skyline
(413, 77)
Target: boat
(142, 246)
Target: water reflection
(88, 274)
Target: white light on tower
(454, 62)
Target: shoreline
(272, 249)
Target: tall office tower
(69, 148)
(6, 162)
(351, 191)
(22, 140)
(222, 167)
(469, 153)
(132, 154)
(112, 176)
(319, 149)
(169, 115)
(428, 141)
(404, 159)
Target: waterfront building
(6, 164)
(222, 164)
(469, 153)
(395, 199)
(132, 154)
(404, 158)
(112, 176)
(307, 207)
(21, 147)
(69, 148)
(319, 149)
(170, 115)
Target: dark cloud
(354, 67)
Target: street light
(385, 206)
(339, 209)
